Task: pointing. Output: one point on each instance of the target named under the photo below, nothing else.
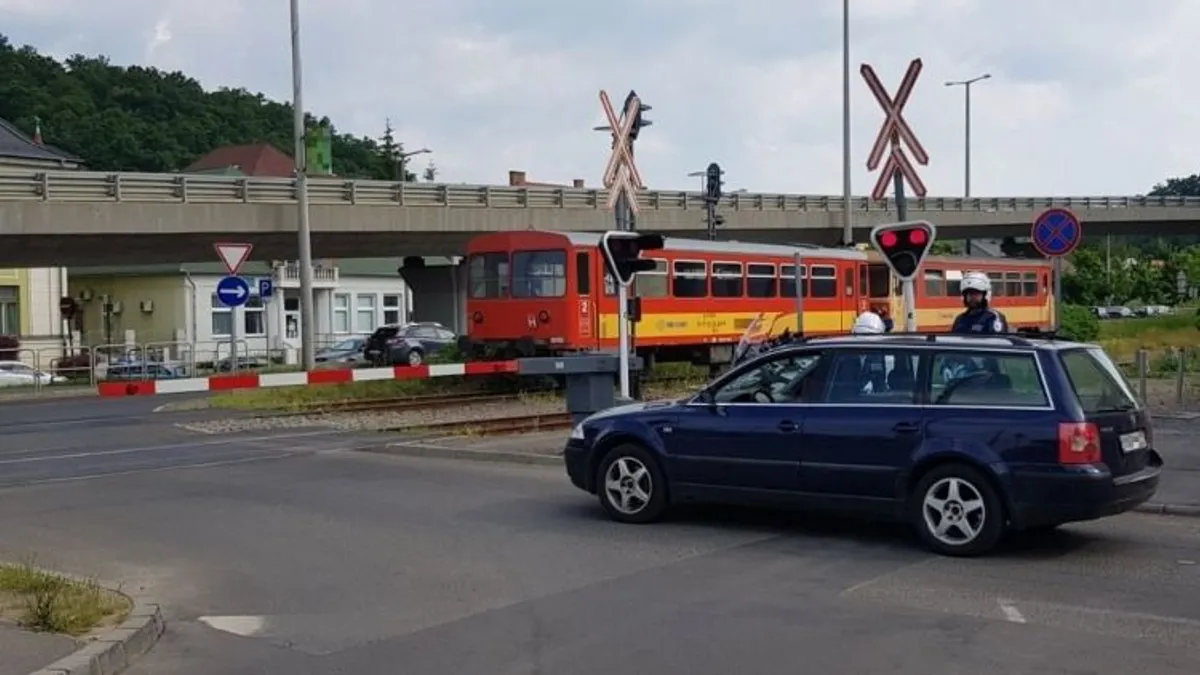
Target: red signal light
(917, 237)
(887, 239)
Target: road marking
(245, 626)
(1011, 613)
(155, 448)
(154, 469)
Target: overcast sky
(1087, 97)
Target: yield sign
(233, 255)
(621, 175)
(895, 132)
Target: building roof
(256, 159)
(14, 144)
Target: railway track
(498, 426)
(396, 403)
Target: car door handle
(906, 428)
(787, 426)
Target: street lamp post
(847, 198)
(966, 85)
(404, 161)
(308, 332)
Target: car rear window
(1098, 383)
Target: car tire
(957, 512)
(415, 358)
(631, 486)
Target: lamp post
(847, 198)
(403, 159)
(308, 332)
(966, 85)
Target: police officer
(978, 317)
(874, 367)
(869, 323)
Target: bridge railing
(83, 186)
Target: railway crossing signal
(621, 176)
(622, 253)
(904, 246)
(896, 133)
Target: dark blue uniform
(980, 321)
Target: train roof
(727, 246)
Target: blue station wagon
(964, 437)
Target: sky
(1087, 97)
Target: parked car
(144, 370)
(18, 374)
(407, 344)
(964, 437)
(348, 351)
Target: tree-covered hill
(143, 119)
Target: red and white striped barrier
(312, 377)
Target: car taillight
(1078, 443)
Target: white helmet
(977, 281)
(868, 323)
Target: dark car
(348, 351)
(407, 344)
(964, 437)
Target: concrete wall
(165, 314)
(439, 294)
(36, 321)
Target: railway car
(544, 293)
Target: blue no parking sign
(1056, 232)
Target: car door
(744, 434)
(860, 437)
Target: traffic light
(622, 251)
(639, 121)
(904, 245)
(712, 183)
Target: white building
(175, 308)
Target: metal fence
(1166, 379)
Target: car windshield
(771, 377)
(1098, 383)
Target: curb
(438, 452)
(114, 650)
(1183, 510)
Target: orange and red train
(543, 293)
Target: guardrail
(86, 186)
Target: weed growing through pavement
(47, 602)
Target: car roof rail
(1017, 339)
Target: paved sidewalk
(1179, 443)
(23, 652)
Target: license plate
(1133, 442)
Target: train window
(691, 279)
(953, 283)
(487, 275)
(824, 281)
(583, 273)
(653, 283)
(1012, 284)
(848, 281)
(935, 283)
(1029, 286)
(787, 281)
(997, 279)
(727, 280)
(880, 279)
(539, 274)
(760, 280)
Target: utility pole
(308, 329)
(847, 198)
(966, 85)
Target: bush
(9, 346)
(1079, 323)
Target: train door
(586, 314)
(849, 302)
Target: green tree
(143, 119)
(430, 172)
(391, 156)
(1188, 186)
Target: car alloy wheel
(957, 511)
(631, 487)
(628, 486)
(414, 358)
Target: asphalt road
(291, 554)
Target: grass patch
(46, 602)
(302, 396)
(1122, 338)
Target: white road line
(156, 448)
(1011, 613)
(154, 469)
(245, 626)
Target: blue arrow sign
(1056, 232)
(233, 291)
(266, 288)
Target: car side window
(881, 376)
(1003, 379)
(782, 379)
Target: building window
(365, 313)
(391, 309)
(253, 317)
(10, 310)
(222, 318)
(341, 313)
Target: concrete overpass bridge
(88, 218)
